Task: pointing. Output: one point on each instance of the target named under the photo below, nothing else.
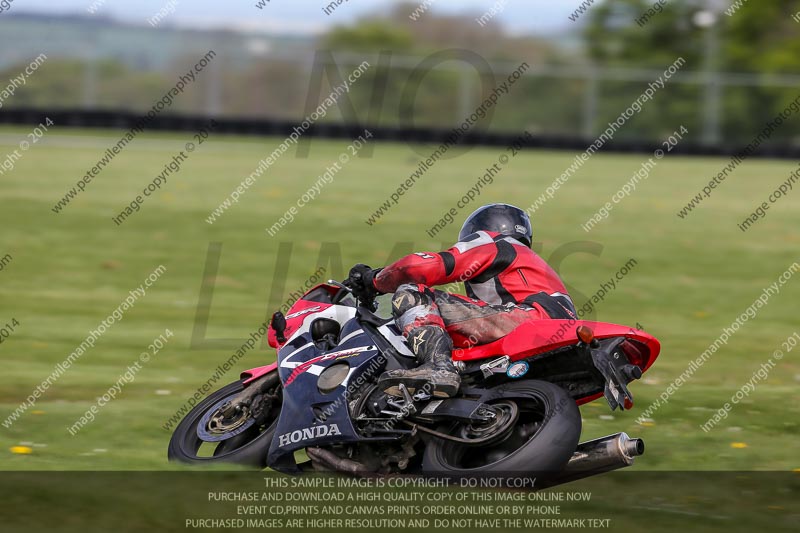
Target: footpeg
(409, 408)
(405, 406)
(496, 366)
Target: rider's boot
(436, 375)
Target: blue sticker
(517, 370)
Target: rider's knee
(408, 296)
(414, 306)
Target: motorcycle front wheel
(215, 432)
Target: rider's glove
(361, 280)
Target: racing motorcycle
(318, 408)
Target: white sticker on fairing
(307, 434)
(303, 312)
(517, 370)
(392, 334)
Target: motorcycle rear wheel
(542, 440)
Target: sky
(304, 16)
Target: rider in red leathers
(506, 283)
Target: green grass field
(71, 270)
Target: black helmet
(501, 218)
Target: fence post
(590, 102)
(712, 88)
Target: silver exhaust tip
(598, 456)
(633, 447)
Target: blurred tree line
(560, 96)
(758, 38)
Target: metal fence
(255, 79)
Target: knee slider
(409, 296)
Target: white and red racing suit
(507, 284)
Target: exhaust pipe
(597, 457)
(330, 460)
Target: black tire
(249, 448)
(544, 409)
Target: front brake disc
(216, 426)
